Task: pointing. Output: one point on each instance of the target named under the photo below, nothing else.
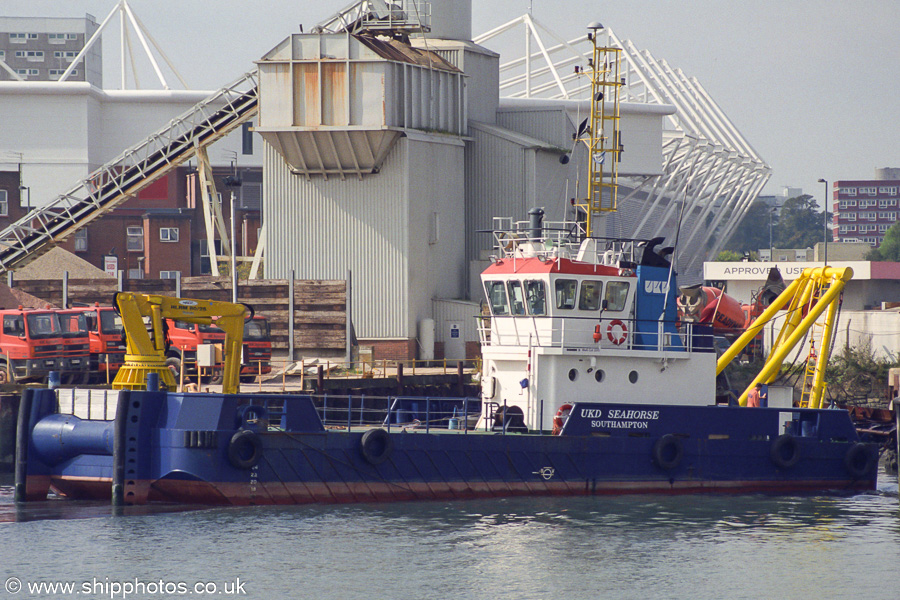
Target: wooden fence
(317, 308)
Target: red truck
(32, 343)
(76, 346)
(185, 337)
(105, 330)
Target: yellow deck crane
(146, 353)
(816, 291)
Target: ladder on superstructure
(135, 169)
(602, 135)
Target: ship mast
(602, 134)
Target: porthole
(573, 374)
(633, 377)
(599, 375)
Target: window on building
(81, 240)
(2, 54)
(28, 72)
(883, 227)
(4, 203)
(71, 36)
(168, 234)
(56, 38)
(57, 73)
(850, 216)
(34, 56)
(32, 36)
(434, 228)
(69, 56)
(135, 273)
(247, 138)
(169, 274)
(134, 241)
(17, 38)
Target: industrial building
(391, 138)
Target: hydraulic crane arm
(146, 353)
(807, 298)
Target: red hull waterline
(231, 493)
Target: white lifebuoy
(619, 338)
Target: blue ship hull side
(184, 451)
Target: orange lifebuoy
(560, 419)
(616, 339)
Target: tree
(890, 246)
(753, 231)
(800, 224)
(729, 256)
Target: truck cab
(76, 346)
(31, 344)
(106, 335)
(185, 337)
(257, 349)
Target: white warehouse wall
(61, 132)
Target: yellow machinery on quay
(146, 344)
(816, 291)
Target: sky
(812, 86)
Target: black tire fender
(245, 449)
(668, 451)
(859, 461)
(376, 446)
(785, 451)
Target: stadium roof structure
(710, 174)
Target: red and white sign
(111, 265)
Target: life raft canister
(562, 415)
(598, 333)
(619, 337)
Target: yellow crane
(816, 291)
(146, 351)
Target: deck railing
(575, 332)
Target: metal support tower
(602, 135)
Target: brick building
(161, 233)
(865, 209)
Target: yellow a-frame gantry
(806, 298)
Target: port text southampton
(619, 419)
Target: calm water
(571, 548)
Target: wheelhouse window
(565, 293)
(516, 297)
(535, 297)
(590, 295)
(496, 295)
(616, 295)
